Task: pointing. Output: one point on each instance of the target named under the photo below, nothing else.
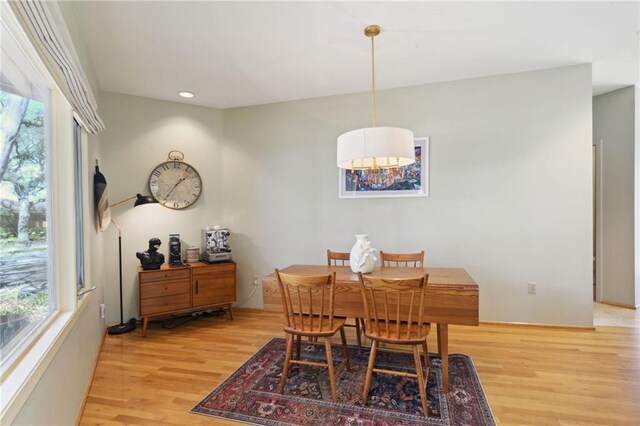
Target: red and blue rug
(251, 394)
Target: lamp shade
(144, 199)
(375, 147)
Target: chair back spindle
(301, 297)
(336, 258)
(409, 260)
(385, 298)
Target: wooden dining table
(451, 297)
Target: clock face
(175, 184)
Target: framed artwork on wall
(406, 181)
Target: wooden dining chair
(412, 260)
(337, 258)
(382, 299)
(307, 303)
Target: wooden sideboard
(170, 290)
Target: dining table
(451, 297)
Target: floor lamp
(128, 327)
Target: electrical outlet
(255, 280)
(532, 287)
(102, 310)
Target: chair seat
(326, 330)
(394, 336)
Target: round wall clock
(174, 183)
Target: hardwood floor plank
(132, 420)
(532, 376)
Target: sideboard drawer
(216, 268)
(164, 288)
(167, 274)
(157, 305)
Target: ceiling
(247, 53)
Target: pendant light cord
(373, 81)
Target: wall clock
(174, 183)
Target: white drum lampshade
(375, 147)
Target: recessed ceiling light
(186, 94)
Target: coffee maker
(175, 250)
(215, 245)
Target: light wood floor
(615, 316)
(532, 376)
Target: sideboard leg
(230, 313)
(145, 322)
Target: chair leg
(363, 328)
(345, 349)
(298, 339)
(358, 333)
(367, 381)
(287, 362)
(421, 384)
(332, 375)
(427, 361)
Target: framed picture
(406, 181)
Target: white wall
(140, 133)
(510, 187)
(614, 123)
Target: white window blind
(44, 25)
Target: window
(27, 296)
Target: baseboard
(535, 325)
(620, 305)
(93, 376)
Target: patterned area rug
(251, 394)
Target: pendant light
(375, 147)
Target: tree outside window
(25, 293)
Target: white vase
(362, 257)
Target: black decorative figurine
(151, 259)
